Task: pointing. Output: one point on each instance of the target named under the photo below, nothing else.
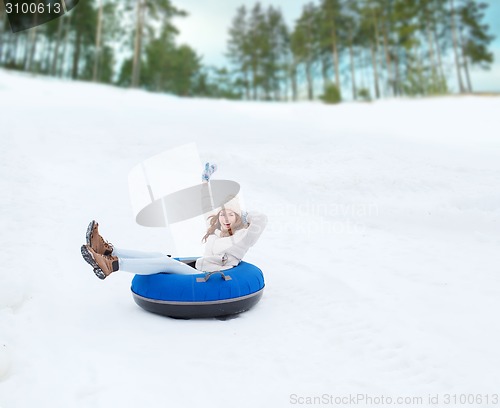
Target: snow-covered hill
(381, 256)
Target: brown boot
(103, 265)
(96, 242)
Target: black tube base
(195, 310)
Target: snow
(381, 256)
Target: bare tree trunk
(335, 52)
(25, 50)
(276, 83)
(310, 91)
(455, 47)
(432, 59)
(247, 84)
(30, 42)
(375, 70)
(442, 76)
(324, 71)
(32, 46)
(97, 43)
(65, 46)
(464, 59)
(76, 54)
(3, 29)
(16, 49)
(419, 53)
(254, 79)
(46, 56)
(56, 47)
(365, 59)
(375, 53)
(293, 75)
(353, 73)
(388, 61)
(397, 76)
(136, 68)
(286, 81)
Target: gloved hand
(244, 218)
(208, 171)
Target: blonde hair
(214, 224)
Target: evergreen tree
(149, 15)
(474, 37)
(258, 48)
(388, 46)
(257, 42)
(367, 40)
(83, 28)
(306, 43)
(238, 49)
(456, 51)
(331, 24)
(274, 53)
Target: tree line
(368, 49)
(129, 43)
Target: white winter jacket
(222, 253)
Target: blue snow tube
(214, 294)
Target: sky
(206, 28)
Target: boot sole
(89, 232)
(91, 261)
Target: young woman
(230, 234)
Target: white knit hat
(233, 205)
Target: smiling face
(227, 219)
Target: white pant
(149, 263)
